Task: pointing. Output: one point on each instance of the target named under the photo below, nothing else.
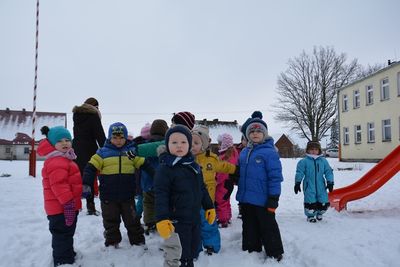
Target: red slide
(369, 183)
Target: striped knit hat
(184, 118)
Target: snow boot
(311, 220)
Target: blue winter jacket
(314, 173)
(260, 174)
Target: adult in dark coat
(88, 137)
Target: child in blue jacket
(317, 176)
(259, 188)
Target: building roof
(16, 125)
(283, 138)
(392, 64)
(217, 128)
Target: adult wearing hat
(88, 137)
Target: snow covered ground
(367, 234)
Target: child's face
(256, 136)
(313, 151)
(118, 140)
(178, 144)
(196, 144)
(63, 145)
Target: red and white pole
(32, 155)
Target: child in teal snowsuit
(317, 176)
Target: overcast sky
(147, 59)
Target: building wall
(370, 113)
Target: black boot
(91, 208)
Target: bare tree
(307, 91)
(368, 70)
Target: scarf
(70, 154)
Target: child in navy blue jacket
(180, 193)
(259, 189)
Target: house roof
(14, 122)
(217, 128)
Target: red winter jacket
(62, 181)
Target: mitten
(329, 186)
(165, 228)
(228, 184)
(273, 203)
(131, 154)
(86, 191)
(69, 212)
(297, 188)
(210, 216)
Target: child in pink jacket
(224, 189)
(62, 190)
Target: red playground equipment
(369, 183)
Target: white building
(369, 115)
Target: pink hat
(226, 142)
(145, 131)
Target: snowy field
(367, 234)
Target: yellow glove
(210, 216)
(165, 228)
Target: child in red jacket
(62, 189)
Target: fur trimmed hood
(86, 108)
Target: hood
(45, 148)
(85, 108)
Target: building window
(346, 138)
(26, 150)
(385, 89)
(371, 132)
(370, 94)
(386, 130)
(398, 84)
(356, 99)
(345, 103)
(357, 134)
(8, 150)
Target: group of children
(186, 187)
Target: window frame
(369, 94)
(385, 89)
(346, 136)
(386, 138)
(357, 134)
(356, 99)
(345, 103)
(371, 132)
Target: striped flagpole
(32, 156)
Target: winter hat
(314, 144)
(226, 142)
(159, 127)
(179, 129)
(184, 118)
(117, 128)
(203, 132)
(255, 114)
(55, 134)
(256, 124)
(92, 101)
(145, 131)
